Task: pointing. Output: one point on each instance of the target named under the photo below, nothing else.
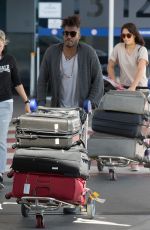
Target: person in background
(8, 77)
(72, 69)
(132, 58)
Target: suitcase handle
(53, 109)
(138, 87)
(28, 136)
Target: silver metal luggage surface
(124, 101)
(50, 122)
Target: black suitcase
(42, 140)
(73, 162)
(55, 121)
(119, 123)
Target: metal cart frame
(45, 205)
(115, 161)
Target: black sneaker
(1, 182)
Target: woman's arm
(20, 90)
(110, 70)
(139, 74)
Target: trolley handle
(87, 106)
(138, 87)
(141, 87)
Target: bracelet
(27, 101)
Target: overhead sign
(94, 13)
(137, 12)
(50, 10)
(54, 23)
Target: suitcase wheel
(69, 210)
(90, 208)
(100, 166)
(24, 210)
(39, 221)
(8, 195)
(10, 174)
(112, 174)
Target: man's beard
(71, 45)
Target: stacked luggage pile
(50, 159)
(121, 125)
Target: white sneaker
(135, 167)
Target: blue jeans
(6, 110)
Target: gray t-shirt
(69, 70)
(128, 63)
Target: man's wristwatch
(27, 101)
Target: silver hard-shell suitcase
(57, 121)
(101, 144)
(25, 140)
(125, 101)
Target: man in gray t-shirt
(72, 69)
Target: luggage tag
(56, 127)
(57, 141)
(26, 189)
(95, 196)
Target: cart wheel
(39, 221)
(112, 174)
(91, 208)
(24, 210)
(8, 195)
(100, 166)
(69, 210)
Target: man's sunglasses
(128, 35)
(71, 33)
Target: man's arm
(97, 84)
(43, 82)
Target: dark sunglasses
(71, 33)
(128, 35)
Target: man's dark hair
(71, 21)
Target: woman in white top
(132, 58)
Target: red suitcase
(67, 189)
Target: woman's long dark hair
(133, 30)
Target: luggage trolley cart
(112, 162)
(40, 205)
(45, 205)
(109, 158)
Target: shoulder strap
(139, 48)
(138, 52)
